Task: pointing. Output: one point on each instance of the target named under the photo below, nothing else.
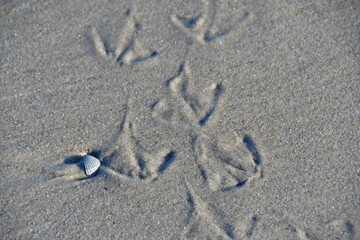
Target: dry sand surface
(212, 119)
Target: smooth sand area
(211, 119)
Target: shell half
(91, 164)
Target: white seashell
(91, 164)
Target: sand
(211, 119)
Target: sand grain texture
(211, 119)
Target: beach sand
(211, 119)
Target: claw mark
(145, 58)
(180, 71)
(252, 148)
(250, 144)
(246, 226)
(189, 23)
(218, 89)
(231, 188)
(98, 43)
(254, 221)
(209, 38)
(168, 160)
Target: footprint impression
(128, 50)
(123, 157)
(223, 166)
(204, 26)
(204, 221)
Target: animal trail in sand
(133, 160)
(183, 107)
(222, 168)
(204, 221)
(203, 27)
(127, 49)
(124, 158)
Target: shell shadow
(96, 153)
(107, 160)
(73, 159)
